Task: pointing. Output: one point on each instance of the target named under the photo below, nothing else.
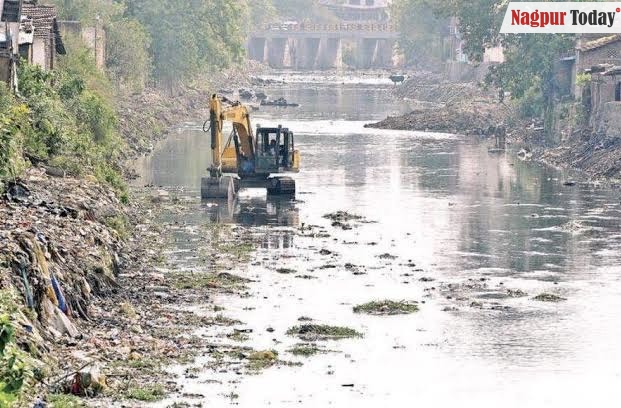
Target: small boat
(397, 78)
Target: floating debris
(387, 307)
(549, 297)
(259, 360)
(305, 349)
(516, 293)
(344, 219)
(322, 332)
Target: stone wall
(94, 38)
(609, 121)
(465, 72)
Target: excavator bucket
(218, 188)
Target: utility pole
(96, 34)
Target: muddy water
(471, 225)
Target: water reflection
(463, 217)
(253, 211)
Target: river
(476, 225)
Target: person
(283, 153)
(272, 148)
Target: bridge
(324, 46)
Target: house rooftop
(44, 18)
(598, 43)
(615, 70)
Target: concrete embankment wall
(609, 121)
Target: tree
(261, 12)
(127, 53)
(190, 36)
(529, 58)
(89, 11)
(420, 30)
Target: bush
(532, 103)
(15, 364)
(66, 119)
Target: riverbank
(447, 107)
(466, 108)
(146, 117)
(74, 253)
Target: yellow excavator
(247, 160)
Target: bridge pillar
(384, 54)
(289, 54)
(306, 52)
(257, 49)
(276, 52)
(366, 52)
(330, 53)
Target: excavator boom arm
(238, 115)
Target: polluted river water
(472, 237)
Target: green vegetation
(583, 79)
(120, 224)
(148, 393)
(387, 307)
(420, 31)
(160, 39)
(262, 359)
(127, 54)
(240, 251)
(549, 297)
(16, 366)
(65, 401)
(322, 332)
(64, 118)
(527, 72)
(305, 350)
(222, 280)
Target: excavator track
(283, 186)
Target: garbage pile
(57, 250)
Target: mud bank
(146, 117)
(462, 108)
(95, 297)
(78, 269)
(597, 157)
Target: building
(9, 35)
(94, 38)
(40, 42)
(602, 50)
(458, 66)
(359, 10)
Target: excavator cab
(275, 152)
